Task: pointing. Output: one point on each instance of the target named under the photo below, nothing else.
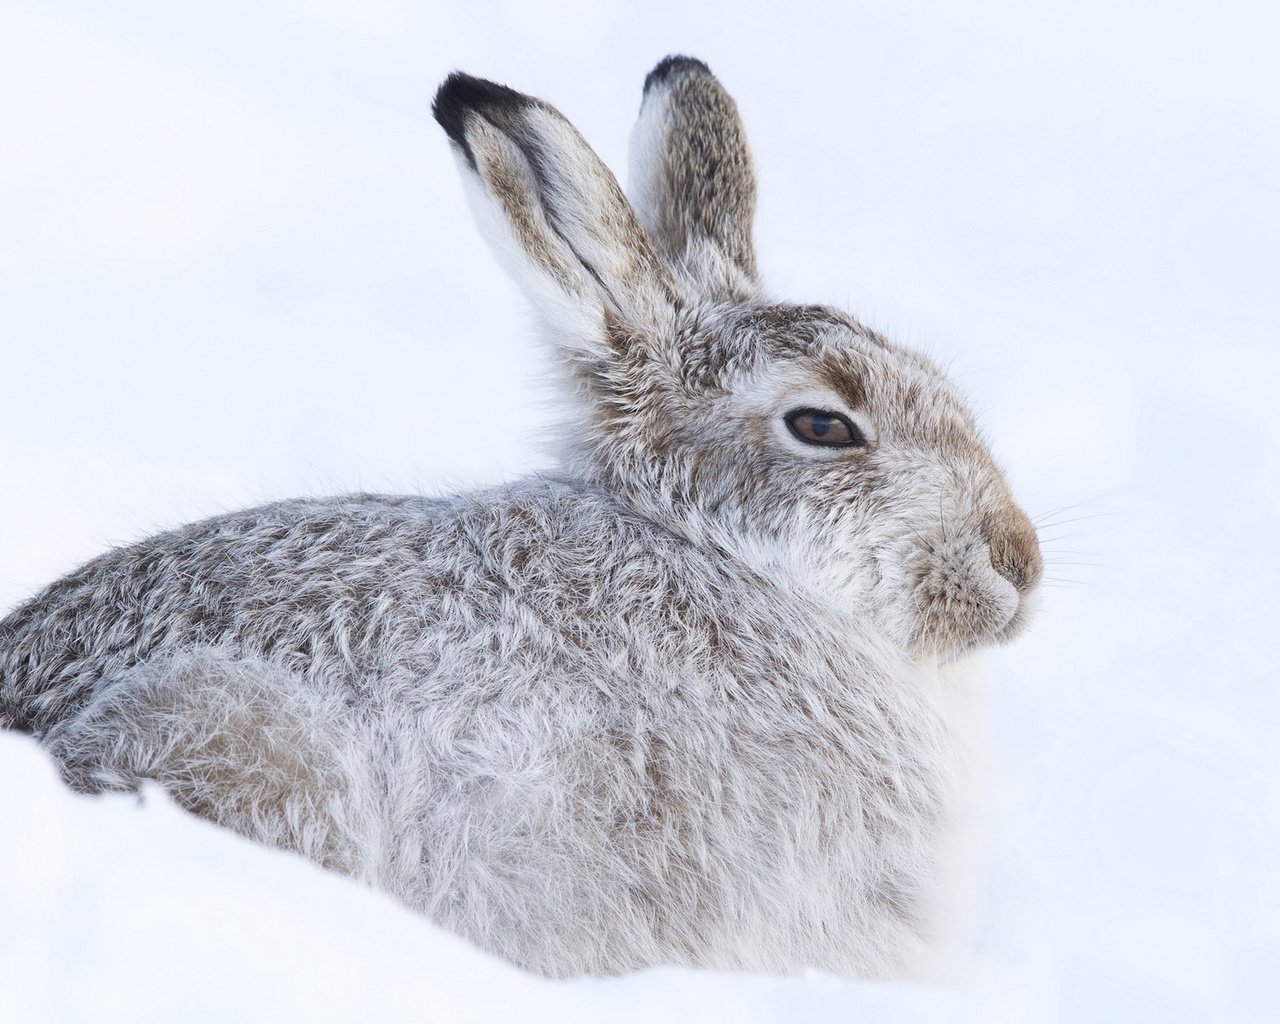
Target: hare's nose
(1015, 550)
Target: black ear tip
(671, 67)
(462, 92)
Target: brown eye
(813, 426)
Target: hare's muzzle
(974, 579)
(1014, 548)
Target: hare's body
(708, 770)
(668, 706)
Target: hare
(674, 703)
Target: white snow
(235, 264)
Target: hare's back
(339, 589)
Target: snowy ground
(235, 265)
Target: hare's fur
(670, 705)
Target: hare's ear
(555, 216)
(692, 180)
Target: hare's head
(787, 435)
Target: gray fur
(673, 704)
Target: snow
(235, 264)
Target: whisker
(1059, 511)
(1075, 519)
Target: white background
(235, 265)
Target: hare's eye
(813, 426)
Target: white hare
(669, 705)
